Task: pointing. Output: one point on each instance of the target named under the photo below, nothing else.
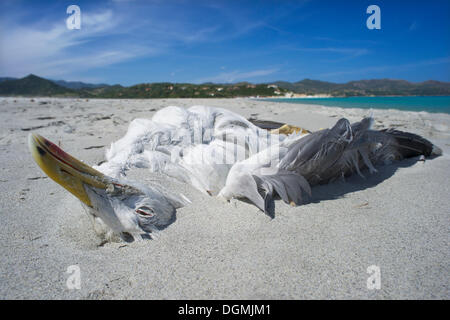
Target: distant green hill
(33, 86)
(78, 84)
(376, 87)
(6, 78)
(187, 90)
(68, 84)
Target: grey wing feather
(289, 186)
(312, 155)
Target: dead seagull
(220, 153)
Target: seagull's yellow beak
(69, 172)
(287, 129)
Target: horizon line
(221, 83)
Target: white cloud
(353, 52)
(413, 26)
(228, 77)
(398, 67)
(49, 49)
(53, 50)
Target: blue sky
(132, 41)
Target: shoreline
(371, 96)
(210, 101)
(376, 103)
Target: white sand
(398, 219)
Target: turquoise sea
(430, 104)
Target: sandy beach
(397, 219)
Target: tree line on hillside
(36, 86)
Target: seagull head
(119, 207)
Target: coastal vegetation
(33, 85)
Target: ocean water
(439, 104)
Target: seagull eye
(145, 211)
